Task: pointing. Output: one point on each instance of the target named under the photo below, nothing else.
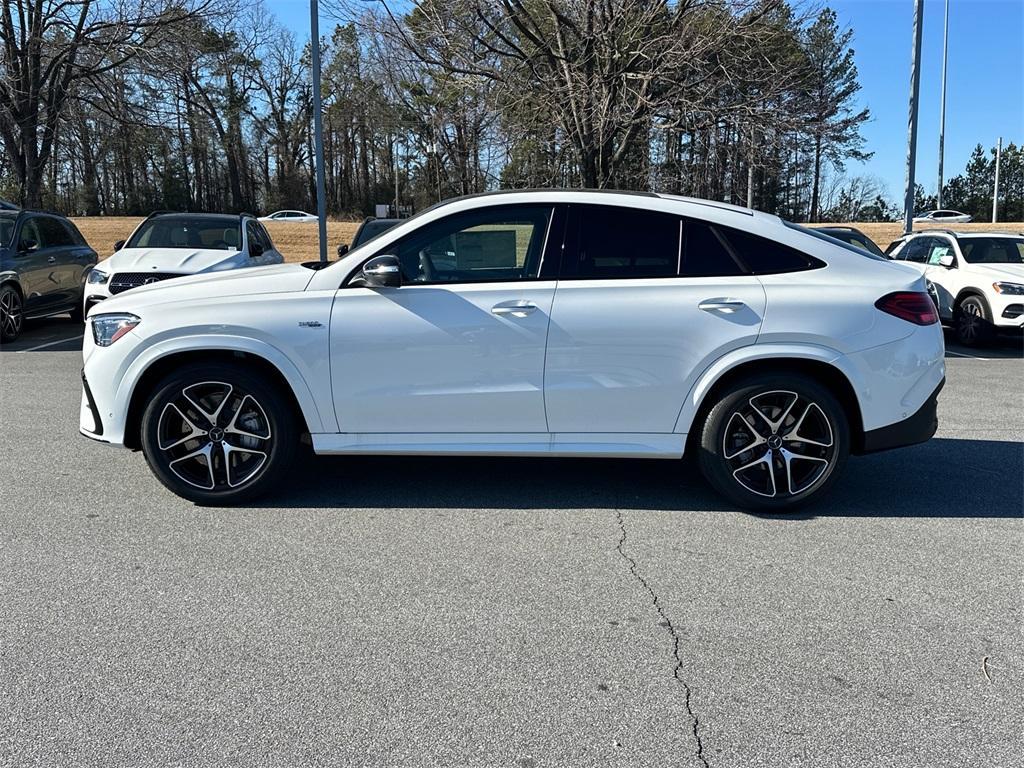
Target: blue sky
(985, 80)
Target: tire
(12, 313)
(226, 413)
(749, 450)
(973, 322)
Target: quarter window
(762, 256)
(624, 243)
(487, 245)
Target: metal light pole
(995, 194)
(318, 128)
(942, 109)
(915, 88)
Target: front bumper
(918, 428)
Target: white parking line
(51, 344)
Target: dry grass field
(298, 242)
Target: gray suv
(44, 261)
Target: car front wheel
(973, 322)
(219, 434)
(774, 442)
(12, 315)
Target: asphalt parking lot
(469, 612)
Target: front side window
(938, 248)
(916, 250)
(993, 250)
(221, 233)
(54, 233)
(617, 243)
(487, 245)
(30, 234)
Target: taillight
(913, 307)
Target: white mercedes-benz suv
(541, 323)
(975, 278)
(168, 245)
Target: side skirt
(608, 445)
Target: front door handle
(52, 260)
(514, 308)
(721, 305)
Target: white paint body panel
(599, 368)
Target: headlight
(106, 329)
(1010, 289)
(98, 276)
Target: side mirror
(342, 249)
(27, 246)
(947, 261)
(383, 272)
(118, 245)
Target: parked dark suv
(44, 261)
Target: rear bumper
(918, 428)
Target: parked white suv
(551, 323)
(976, 279)
(168, 245)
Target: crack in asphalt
(677, 671)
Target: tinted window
(623, 243)
(75, 234)
(916, 250)
(762, 256)
(993, 250)
(493, 244)
(55, 234)
(705, 255)
(30, 231)
(7, 227)
(257, 235)
(220, 232)
(370, 230)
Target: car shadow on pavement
(943, 478)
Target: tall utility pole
(318, 128)
(915, 88)
(942, 109)
(995, 194)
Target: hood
(1009, 272)
(277, 278)
(188, 260)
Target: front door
(459, 347)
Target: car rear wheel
(12, 313)
(219, 434)
(774, 442)
(973, 322)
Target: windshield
(216, 232)
(7, 221)
(993, 250)
(828, 238)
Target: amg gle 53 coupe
(540, 323)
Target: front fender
(316, 420)
(760, 352)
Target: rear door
(645, 302)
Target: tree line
(126, 106)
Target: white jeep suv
(554, 323)
(976, 279)
(168, 245)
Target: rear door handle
(52, 260)
(721, 305)
(514, 308)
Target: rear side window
(55, 234)
(622, 243)
(762, 256)
(704, 254)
